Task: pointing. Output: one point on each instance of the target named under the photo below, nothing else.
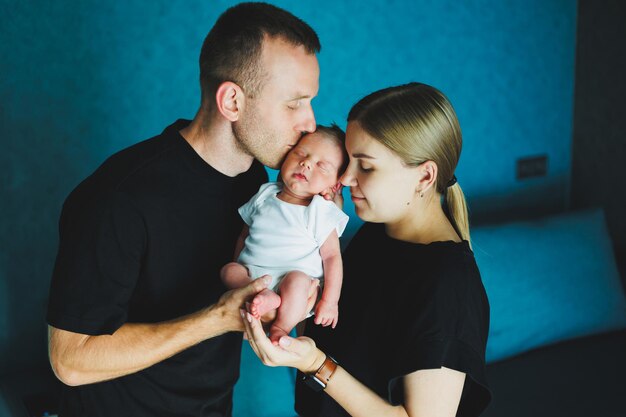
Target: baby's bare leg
(294, 291)
(235, 275)
(313, 290)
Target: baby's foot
(263, 302)
(276, 333)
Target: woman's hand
(300, 353)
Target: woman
(414, 316)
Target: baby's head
(315, 164)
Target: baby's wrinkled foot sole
(263, 302)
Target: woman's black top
(405, 307)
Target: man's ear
(230, 100)
(427, 176)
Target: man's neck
(215, 143)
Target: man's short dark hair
(335, 133)
(232, 49)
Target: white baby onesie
(287, 237)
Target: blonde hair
(418, 123)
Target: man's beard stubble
(252, 139)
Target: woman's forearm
(301, 353)
(428, 392)
(357, 399)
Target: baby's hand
(334, 194)
(326, 313)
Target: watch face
(312, 382)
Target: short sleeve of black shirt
(101, 246)
(405, 307)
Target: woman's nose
(347, 179)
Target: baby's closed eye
(324, 166)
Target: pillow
(548, 280)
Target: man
(136, 323)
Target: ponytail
(457, 211)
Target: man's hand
(231, 302)
(327, 313)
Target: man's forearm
(81, 359)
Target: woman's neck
(426, 223)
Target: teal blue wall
(80, 80)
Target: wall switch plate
(533, 166)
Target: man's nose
(308, 121)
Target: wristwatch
(317, 381)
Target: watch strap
(317, 381)
(326, 371)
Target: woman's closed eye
(365, 168)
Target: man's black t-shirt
(142, 240)
(405, 307)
